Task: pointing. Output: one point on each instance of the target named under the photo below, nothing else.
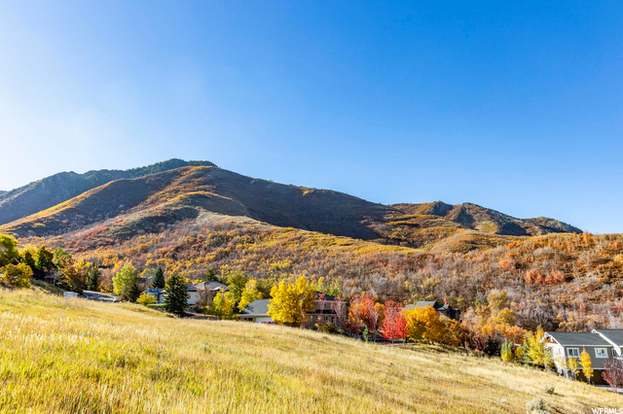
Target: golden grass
(72, 355)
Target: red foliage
(363, 312)
(394, 325)
(613, 374)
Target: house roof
(614, 335)
(423, 304)
(211, 285)
(578, 339)
(257, 308)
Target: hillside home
(327, 310)
(442, 308)
(256, 311)
(600, 345)
(207, 291)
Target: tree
(613, 372)
(29, 256)
(146, 299)
(74, 274)
(290, 301)
(249, 294)
(45, 262)
(223, 305)
(506, 352)
(236, 281)
(536, 353)
(363, 312)
(8, 250)
(18, 275)
(176, 298)
(158, 281)
(587, 365)
(93, 277)
(572, 366)
(394, 325)
(125, 283)
(426, 324)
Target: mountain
(52, 190)
(197, 218)
(146, 199)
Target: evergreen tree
(93, 277)
(158, 280)
(176, 298)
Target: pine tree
(93, 277)
(176, 298)
(158, 280)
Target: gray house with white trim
(601, 346)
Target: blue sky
(518, 107)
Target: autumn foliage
(394, 324)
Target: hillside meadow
(71, 355)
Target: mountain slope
(163, 197)
(69, 356)
(52, 190)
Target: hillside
(164, 197)
(70, 356)
(52, 190)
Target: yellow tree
(249, 294)
(290, 301)
(572, 366)
(587, 365)
(426, 324)
(223, 305)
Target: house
(598, 344)
(207, 291)
(442, 308)
(327, 310)
(256, 311)
(194, 296)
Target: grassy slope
(61, 355)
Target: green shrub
(146, 299)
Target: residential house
(600, 346)
(207, 291)
(256, 311)
(442, 308)
(327, 310)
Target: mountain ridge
(49, 191)
(152, 197)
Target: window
(573, 352)
(601, 352)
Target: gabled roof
(578, 339)
(257, 308)
(614, 335)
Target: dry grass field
(59, 355)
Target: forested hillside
(199, 218)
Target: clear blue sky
(518, 107)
